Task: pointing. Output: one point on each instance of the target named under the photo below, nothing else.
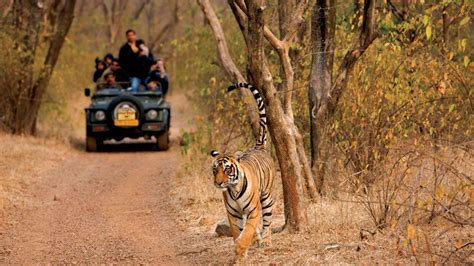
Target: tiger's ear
(214, 153)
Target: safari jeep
(117, 114)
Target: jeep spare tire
(125, 101)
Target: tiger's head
(226, 170)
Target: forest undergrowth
(399, 179)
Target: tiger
(246, 179)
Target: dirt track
(105, 207)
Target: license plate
(126, 115)
(126, 123)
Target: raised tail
(262, 133)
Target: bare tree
(288, 142)
(35, 24)
(114, 12)
(325, 89)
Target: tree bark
(324, 99)
(63, 25)
(31, 91)
(282, 47)
(281, 126)
(26, 16)
(323, 28)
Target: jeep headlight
(151, 115)
(99, 115)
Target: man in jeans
(129, 61)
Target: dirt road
(102, 207)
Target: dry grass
(23, 160)
(341, 230)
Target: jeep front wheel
(92, 144)
(163, 141)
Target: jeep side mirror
(87, 92)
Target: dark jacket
(129, 61)
(145, 62)
(97, 74)
(120, 75)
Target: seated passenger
(152, 85)
(158, 73)
(115, 68)
(110, 82)
(99, 69)
(108, 59)
(120, 74)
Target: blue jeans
(135, 83)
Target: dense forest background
(398, 138)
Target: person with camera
(158, 73)
(129, 59)
(145, 58)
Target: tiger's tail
(262, 134)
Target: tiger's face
(225, 170)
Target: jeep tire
(163, 141)
(93, 144)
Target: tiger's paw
(265, 239)
(257, 239)
(240, 253)
(239, 259)
(265, 243)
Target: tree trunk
(325, 90)
(281, 126)
(26, 19)
(323, 28)
(63, 25)
(288, 142)
(32, 91)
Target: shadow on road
(128, 146)
(125, 145)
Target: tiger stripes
(246, 179)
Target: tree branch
(240, 17)
(296, 21)
(66, 16)
(7, 9)
(401, 15)
(140, 9)
(161, 35)
(271, 38)
(228, 64)
(366, 37)
(282, 48)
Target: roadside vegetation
(392, 174)
(398, 174)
